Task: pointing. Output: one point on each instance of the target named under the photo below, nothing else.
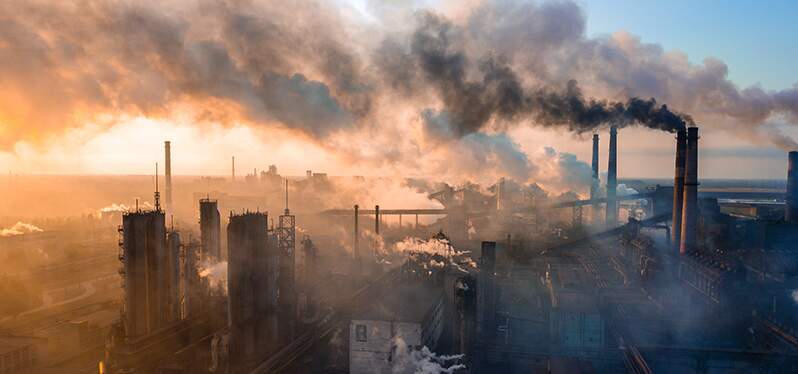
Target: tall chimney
(678, 189)
(168, 174)
(594, 183)
(356, 250)
(234, 169)
(690, 204)
(500, 194)
(377, 219)
(791, 208)
(612, 179)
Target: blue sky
(758, 40)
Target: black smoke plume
(498, 94)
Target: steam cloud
(216, 273)
(423, 361)
(20, 228)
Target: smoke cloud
(498, 94)
(409, 91)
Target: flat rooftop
(408, 302)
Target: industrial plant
(687, 277)
(398, 187)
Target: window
(360, 333)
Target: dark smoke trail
(471, 104)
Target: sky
(755, 38)
(103, 96)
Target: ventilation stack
(678, 189)
(594, 183)
(612, 180)
(791, 208)
(168, 175)
(690, 204)
(356, 248)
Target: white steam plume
(20, 228)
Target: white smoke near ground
(20, 228)
(215, 273)
(369, 239)
(428, 250)
(423, 361)
(794, 295)
(624, 190)
(432, 246)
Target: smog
(367, 187)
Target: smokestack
(168, 174)
(690, 204)
(612, 179)
(791, 208)
(678, 189)
(234, 169)
(377, 219)
(500, 194)
(594, 184)
(356, 250)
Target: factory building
(576, 324)
(409, 318)
(146, 265)
(252, 270)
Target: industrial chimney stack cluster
(684, 235)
